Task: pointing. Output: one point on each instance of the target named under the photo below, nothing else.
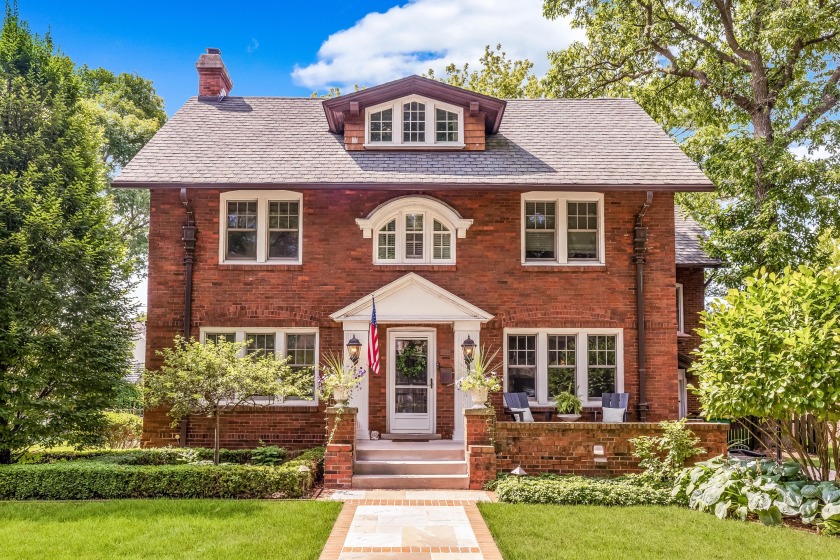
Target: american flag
(373, 343)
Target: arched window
(414, 230)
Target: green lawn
(538, 532)
(148, 529)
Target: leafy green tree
(214, 379)
(739, 83)
(772, 351)
(497, 76)
(65, 319)
(129, 112)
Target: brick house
(544, 228)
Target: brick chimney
(213, 77)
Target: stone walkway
(410, 525)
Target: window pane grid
(441, 242)
(561, 364)
(241, 230)
(381, 126)
(414, 122)
(300, 349)
(601, 364)
(283, 234)
(414, 236)
(259, 344)
(387, 247)
(522, 364)
(215, 338)
(446, 126)
(540, 224)
(582, 230)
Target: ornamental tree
(215, 379)
(772, 350)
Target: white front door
(411, 374)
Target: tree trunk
(763, 130)
(5, 456)
(216, 440)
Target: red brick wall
(337, 270)
(694, 300)
(474, 133)
(568, 447)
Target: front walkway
(410, 525)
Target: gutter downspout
(640, 233)
(189, 257)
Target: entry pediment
(412, 299)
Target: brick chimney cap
(213, 77)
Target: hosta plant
(772, 491)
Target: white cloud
(252, 46)
(423, 34)
(801, 152)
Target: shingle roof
(592, 144)
(687, 236)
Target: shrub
(578, 490)
(150, 456)
(772, 491)
(663, 457)
(267, 455)
(123, 430)
(84, 480)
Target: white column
(463, 329)
(359, 398)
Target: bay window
(545, 362)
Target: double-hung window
(260, 227)
(562, 228)
(545, 362)
(298, 345)
(414, 121)
(680, 311)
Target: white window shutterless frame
(263, 200)
(581, 361)
(281, 350)
(429, 113)
(561, 202)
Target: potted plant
(337, 380)
(481, 379)
(568, 405)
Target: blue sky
(290, 48)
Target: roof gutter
(640, 246)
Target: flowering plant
(337, 377)
(481, 374)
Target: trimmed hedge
(578, 490)
(87, 480)
(148, 456)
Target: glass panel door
(412, 397)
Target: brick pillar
(480, 425)
(338, 459)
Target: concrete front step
(411, 437)
(410, 482)
(410, 467)
(445, 450)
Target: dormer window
(423, 122)
(414, 230)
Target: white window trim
(279, 351)
(581, 360)
(432, 209)
(262, 198)
(561, 227)
(397, 124)
(680, 310)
